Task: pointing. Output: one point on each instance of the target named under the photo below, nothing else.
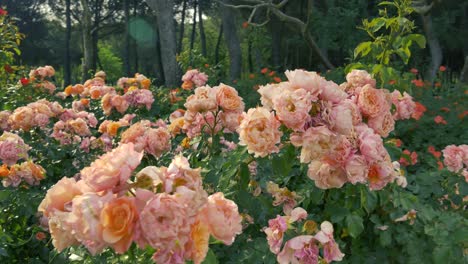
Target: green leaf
(419, 39)
(385, 238)
(354, 224)
(210, 258)
(363, 48)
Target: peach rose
(259, 131)
(315, 142)
(199, 239)
(22, 118)
(228, 98)
(372, 101)
(106, 103)
(382, 124)
(118, 219)
(222, 217)
(267, 93)
(359, 78)
(310, 81)
(59, 195)
(85, 220)
(120, 103)
(79, 127)
(113, 168)
(164, 220)
(325, 175)
(158, 141)
(203, 100)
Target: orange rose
(68, 90)
(4, 171)
(118, 218)
(95, 94)
(187, 85)
(112, 128)
(85, 101)
(145, 83)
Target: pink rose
(292, 108)
(356, 169)
(332, 92)
(370, 144)
(163, 221)
(453, 157)
(380, 174)
(112, 169)
(275, 232)
(300, 249)
(405, 106)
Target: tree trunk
(165, 15)
(275, 30)
(194, 26)
(228, 16)
(135, 44)
(202, 31)
(67, 75)
(434, 47)
(218, 44)
(127, 38)
(158, 62)
(182, 28)
(464, 72)
(95, 33)
(88, 52)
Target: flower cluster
(303, 249)
(94, 88)
(135, 98)
(38, 77)
(145, 137)
(339, 128)
(12, 148)
(36, 114)
(27, 171)
(169, 210)
(283, 196)
(212, 109)
(73, 125)
(138, 82)
(456, 159)
(110, 128)
(193, 78)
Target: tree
(67, 73)
(164, 10)
(88, 52)
(424, 9)
(294, 22)
(228, 16)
